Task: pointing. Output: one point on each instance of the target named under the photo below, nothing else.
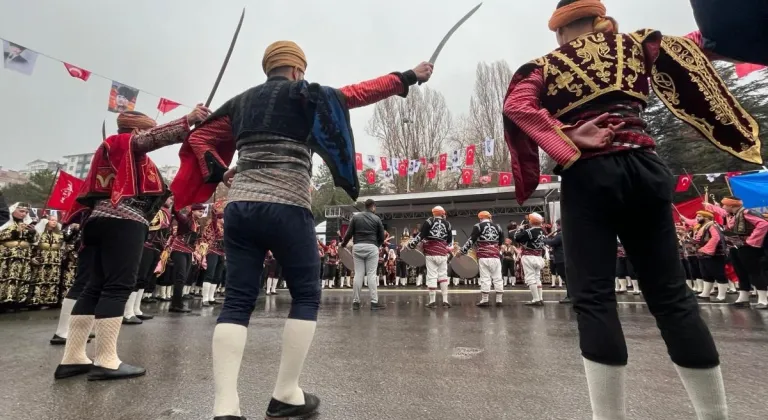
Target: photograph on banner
(18, 58)
(122, 97)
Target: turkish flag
(689, 209)
(431, 171)
(384, 163)
(683, 183)
(505, 179)
(77, 72)
(733, 174)
(64, 192)
(359, 161)
(370, 176)
(402, 168)
(545, 179)
(469, 160)
(166, 105)
(466, 176)
(745, 69)
(443, 161)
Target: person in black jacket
(368, 232)
(556, 243)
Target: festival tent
(752, 189)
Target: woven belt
(246, 166)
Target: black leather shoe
(149, 300)
(58, 341)
(483, 304)
(229, 418)
(132, 321)
(376, 306)
(566, 300)
(446, 305)
(280, 411)
(124, 371)
(213, 302)
(499, 303)
(181, 310)
(431, 305)
(355, 306)
(741, 305)
(187, 297)
(145, 317)
(68, 371)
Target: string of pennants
(121, 98)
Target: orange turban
(706, 214)
(283, 54)
(484, 215)
(133, 120)
(581, 9)
(732, 202)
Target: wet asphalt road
(407, 362)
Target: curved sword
(448, 35)
(226, 60)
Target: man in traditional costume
(531, 240)
(487, 238)
(46, 263)
(122, 193)
(159, 234)
(710, 243)
(437, 234)
(16, 238)
(213, 235)
(582, 104)
(275, 127)
(182, 253)
(750, 229)
(331, 264)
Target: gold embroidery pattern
(105, 182)
(721, 102)
(584, 69)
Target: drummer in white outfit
(487, 237)
(437, 236)
(532, 244)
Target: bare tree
(410, 129)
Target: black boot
(179, 309)
(279, 410)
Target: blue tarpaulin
(752, 189)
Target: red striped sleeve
(372, 91)
(207, 136)
(523, 107)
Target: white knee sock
(274, 285)
(706, 391)
(444, 291)
(731, 285)
(534, 292)
(168, 292)
(622, 285)
(706, 289)
(206, 290)
(79, 330)
(762, 296)
(185, 291)
(484, 297)
(62, 330)
(455, 282)
(699, 285)
(297, 337)
(606, 390)
(137, 302)
(269, 284)
(212, 293)
(743, 296)
(228, 347)
(616, 284)
(689, 283)
(128, 312)
(722, 289)
(499, 296)
(432, 296)
(635, 286)
(107, 331)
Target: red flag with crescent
(466, 176)
(431, 171)
(470, 155)
(370, 176)
(545, 179)
(384, 163)
(359, 161)
(505, 179)
(443, 162)
(77, 72)
(683, 183)
(402, 168)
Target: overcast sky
(174, 48)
